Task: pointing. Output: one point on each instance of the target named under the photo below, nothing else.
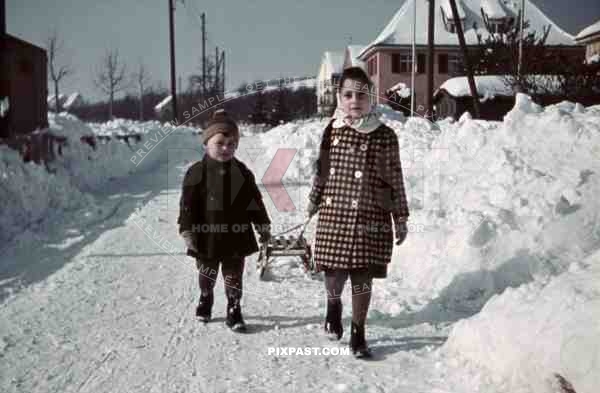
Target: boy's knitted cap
(220, 123)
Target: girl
(358, 189)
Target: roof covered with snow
(73, 100)
(589, 31)
(494, 85)
(493, 9)
(445, 5)
(161, 105)
(61, 99)
(486, 85)
(398, 31)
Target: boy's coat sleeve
(191, 181)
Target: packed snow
(496, 288)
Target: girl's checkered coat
(359, 190)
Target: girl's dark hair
(356, 73)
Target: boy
(219, 201)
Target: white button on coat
(328, 201)
(358, 174)
(354, 203)
(336, 141)
(364, 147)
(331, 171)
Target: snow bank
(493, 204)
(496, 205)
(31, 194)
(526, 335)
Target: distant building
(23, 86)
(330, 71)
(389, 59)
(590, 37)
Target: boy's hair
(356, 73)
(221, 123)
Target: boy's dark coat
(219, 204)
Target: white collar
(365, 124)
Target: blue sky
(262, 38)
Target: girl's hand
(401, 232)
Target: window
(454, 64)
(405, 63)
(402, 63)
(395, 63)
(442, 63)
(421, 59)
(496, 26)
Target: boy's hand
(264, 234)
(265, 237)
(401, 230)
(188, 237)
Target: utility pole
(172, 36)
(414, 59)
(430, 51)
(463, 47)
(216, 88)
(521, 40)
(203, 55)
(223, 70)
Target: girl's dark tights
(362, 284)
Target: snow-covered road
(108, 306)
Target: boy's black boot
(203, 311)
(333, 321)
(234, 317)
(358, 344)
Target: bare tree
(142, 78)
(110, 77)
(57, 72)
